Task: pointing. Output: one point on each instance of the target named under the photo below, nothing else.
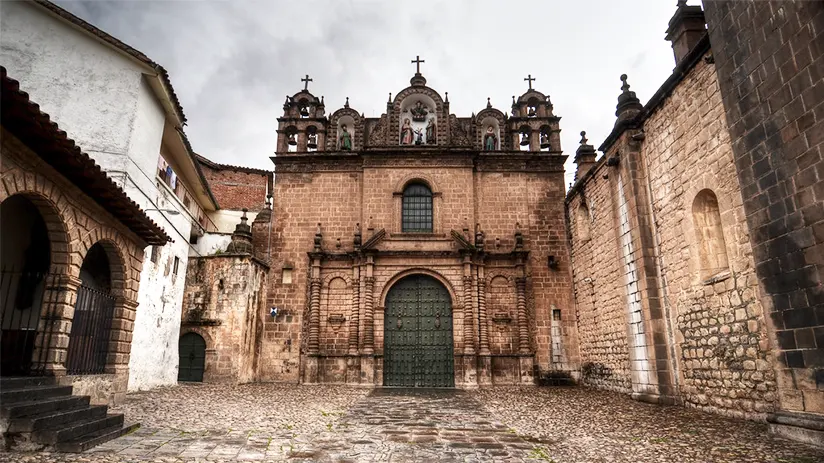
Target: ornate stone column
(313, 344)
(57, 312)
(353, 361)
(523, 323)
(368, 351)
(485, 356)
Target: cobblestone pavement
(268, 422)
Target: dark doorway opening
(192, 357)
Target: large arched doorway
(192, 349)
(417, 344)
(25, 252)
(93, 311)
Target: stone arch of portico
(456, 301)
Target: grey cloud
(232, 63)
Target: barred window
(417, 209)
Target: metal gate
(192, 357)
(91, 326)
(418, 334)
(21, 295)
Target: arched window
(709, 235)
(417, 209)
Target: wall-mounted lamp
(273, 312)
(168, 211)
(552, 263)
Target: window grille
(417, 209)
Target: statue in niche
(418, 136)
(419, 112)
(431, 129)
(490, 140)
(406, 132)
(345, 139)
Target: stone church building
(420, 248)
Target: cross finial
(529, 79)
(306, 81)
(417, 61)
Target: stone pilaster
(353, 361)
(52, 343)
(523, 326)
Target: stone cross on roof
(306, 81)
(529, 79)
(417, 61)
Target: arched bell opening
(25, 252)
(291, 139)
(532, 107)
(544, 138)
(311, 138)
(304, 109)
(525, 138)
(93, 312)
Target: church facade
(417, 248)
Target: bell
(524, 139)
(292, 140)
(531, 112)
(544, 144)
(304, 111)
(312, 144)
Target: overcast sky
(233, 62)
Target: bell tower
(303, 127)
(533, 124)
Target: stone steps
(38, 414)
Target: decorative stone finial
(488, 103)
(519, 237)
(321, 100)
(318, 239)
(628, 104)
(513, 100)
(583, 137)
(358, 238)
(241, 238)
(479, 237)
(446, 97)
(346, 105)
(390, 98)
(682, 3)
(584, 157)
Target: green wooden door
(418, 334)
(192, 349)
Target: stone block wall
(721, 343)
(224, 303)
(663, 267)
(770, 63)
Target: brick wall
(237, 188)
(770, 61)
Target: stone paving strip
(275, 422)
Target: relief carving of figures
(419, 112)
(431, 130)
(345, 139)
(490, 140)
(406, 133)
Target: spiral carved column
(354, 317)
(483, 331)
(468, 332)
(314, 315)
(523, 326)
(368, 317)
